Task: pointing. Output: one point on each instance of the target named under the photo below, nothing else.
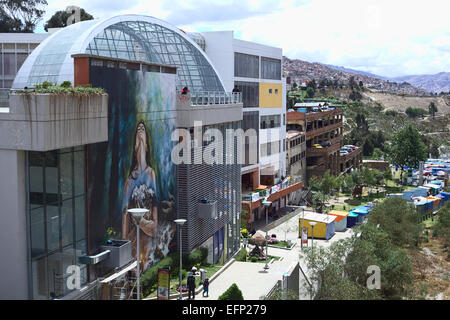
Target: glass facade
(141, 38)
(246, 65)
(144, 41)
(270, 68)
(57, 218)
(12, 56)
(250, 93)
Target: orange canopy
(261, 187)
(339, 214)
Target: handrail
(198, 98)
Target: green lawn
(280, 244)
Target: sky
(390, 38)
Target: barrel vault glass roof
(130, 37)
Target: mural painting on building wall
(136, 166)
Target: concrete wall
(13, 226)
(43, 122)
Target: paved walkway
(252, 279)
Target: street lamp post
(303, 224)
(267, 205)
(137, 214)
(312, 223)
(180, 223)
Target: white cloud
(390, 38)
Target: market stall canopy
(339, 214)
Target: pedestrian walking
(206, 287)
(191, 286)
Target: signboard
(163, 284)
(255, 196)
(305, 236)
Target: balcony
(209, 108)
(309, 116)
(48, 121)
(254, 200)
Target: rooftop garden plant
(64, 88)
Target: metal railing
(214, 97)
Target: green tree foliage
(432, 108)
(310, 92)
(341, 269)
(399, 219)
(20, 15)
(324, 188)
(415, 112)
(232, 293)
(377, 154)
(443, 225)
(59, 19)
(355, 95)
(407, 148)
(391, 113)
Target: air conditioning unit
(207, 210)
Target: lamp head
(180, 222)
(137, 214)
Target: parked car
(326, 144)
(351, 146)
(317, 146)
(343, 153)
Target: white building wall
(13, 226)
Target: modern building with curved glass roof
(129, 37)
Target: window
(250, 93)
(57, 218)
(246, 65)
(276, 91)
(272, 121)
(270, 68)
(270, 91)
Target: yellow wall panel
(270, 95)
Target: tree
(310, 92)
(324, 187)
(432, 109)
(377, 154)
(407, 148)
(443, 224)
(20, 15)
(232, 293)
(59, 19)
(399, 219)
(361, 84)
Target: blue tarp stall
(442, 199)
(421, 192)
(409, 194)
(434, 189)
(420, 207)
(352, 219)
(362, 212)
(429, 206)
(446, 195)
